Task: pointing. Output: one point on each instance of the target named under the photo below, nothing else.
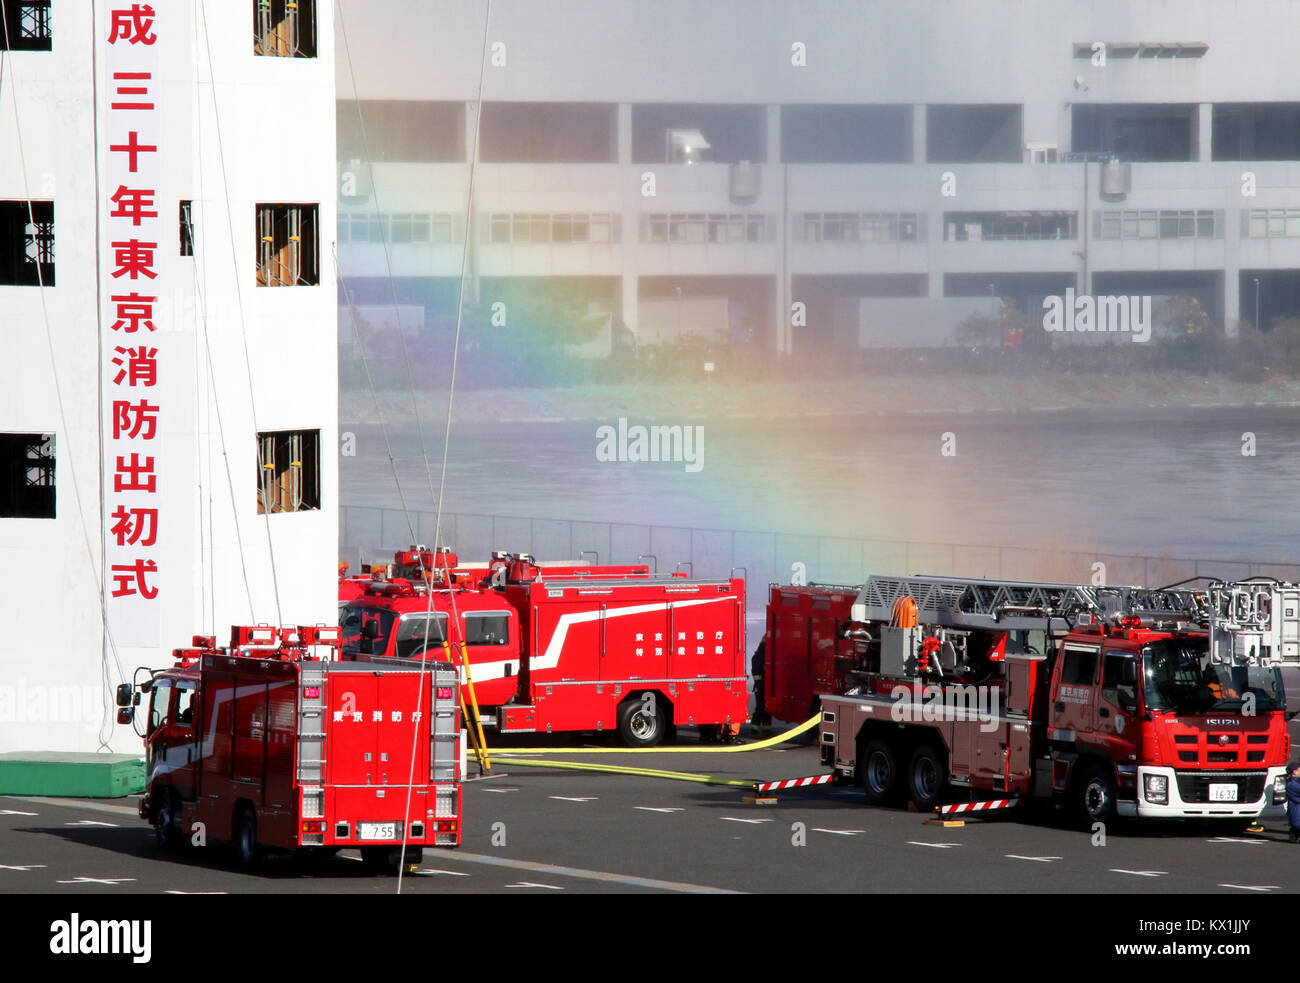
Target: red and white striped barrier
(793, 783)
(986, 806)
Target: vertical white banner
(133, 233)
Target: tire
(165, 831)
(878, 772)
(246, 850)
(927, 777)
(636, 728)
(1094, 795)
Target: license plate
(388, 831)
(1223, 793)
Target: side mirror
(370, 630)
(126, 715)
(125, 695)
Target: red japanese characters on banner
(134, 355)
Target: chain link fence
(371, 534)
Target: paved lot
(545, 831)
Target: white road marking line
(97, 880)
(435, 871)
(1041, 860)
(555, 870)
(503, 790)
(91, 805)
(839, 832)
(659, 808)
(194, 892)
(21, 866)
(938, 846)
(92, 822)
(1252, 887)
(574, 798)
(1139, 873)
(357, 859)
(549, 887)
(733, 819)
(1232, 839)
(16, 812)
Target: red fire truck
(272, 743)
(1121, 701)
(566, 647)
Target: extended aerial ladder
(962, 602)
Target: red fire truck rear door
(401, 737)
(789, 662)
(350, 755)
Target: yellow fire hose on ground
(680, 776)
(721, 749)
(508, 755)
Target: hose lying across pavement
(721, 749)
(507, 755)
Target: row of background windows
(702, 227)
(402, 227)
(536, 228)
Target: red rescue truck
(1117, 700)
(272, 743)
(567, 647)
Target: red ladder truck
(1118, 700)
(272, 743)
(567, 647)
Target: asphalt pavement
(548, 831)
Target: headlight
(1279, 789)
(1156, 789)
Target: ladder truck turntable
(273, 743)
(1128, 701)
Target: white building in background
(168, 422)
(908, 162)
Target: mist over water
(1179, 487)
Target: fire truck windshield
(1179, 676)
(358, 638)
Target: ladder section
(1255, 622)
(1009, 605)
(311, 745)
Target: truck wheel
(637, 728)
(246, 851)
(1095, 795)
(165, 817)
(878, 771)
(927, 775)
